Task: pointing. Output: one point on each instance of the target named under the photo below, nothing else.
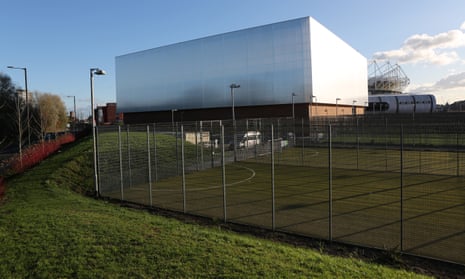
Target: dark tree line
(8, 101)
(47, 114)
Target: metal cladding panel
(338, 70)
(269, 62)
(425, 103)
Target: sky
(59, 41)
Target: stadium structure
(293, 68)
(386, 83)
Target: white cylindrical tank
(401, 103)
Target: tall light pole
(20, 129)
(99, 72)
(172, 119)
(233, 86)
(293, 109)
(293, 116)
(354, 112)
(27, 102)
(337, 100)
(74, 120)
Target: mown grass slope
(47, 230)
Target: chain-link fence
(376, 184)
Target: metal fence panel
(248, 180)
(108, 163)
(167, 189)
(135, 157)
(203, 170)
(301, 181)
(377, 182)
(434, 194)
(366, 202)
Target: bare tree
(51, 113)
(38, 128)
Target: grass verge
(47, 230)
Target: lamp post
(172, 119)
(99, 72)
(337, 100)
(233, 86)
(27, 102)
(20, 129)
(74, 120)
(293, 116)
(354, 112)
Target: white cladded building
(293, 67)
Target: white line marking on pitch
(252, 175)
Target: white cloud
(453, 81)
(423, 48)
(462, 26)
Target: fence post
(293, 130)
(419, 135)
(202, 166)
(183, 171)
(246, 145)
(457, 150)
(212, 146)
(155, 157)
(196, 147)
(273, 209)
(129, 156)
(256, 145)
(401, 188)
(385, 144)
(177, 155)
(358, 144)
(330, 185)
(97, 161)
(223, 172)
(121, 163)
(149, 165)
(303, 142)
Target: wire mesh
(385, 182)
(108, 164)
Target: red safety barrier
(34, 154)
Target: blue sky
(59, 41)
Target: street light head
(100, 72)
(234, 85)
(17, 68)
